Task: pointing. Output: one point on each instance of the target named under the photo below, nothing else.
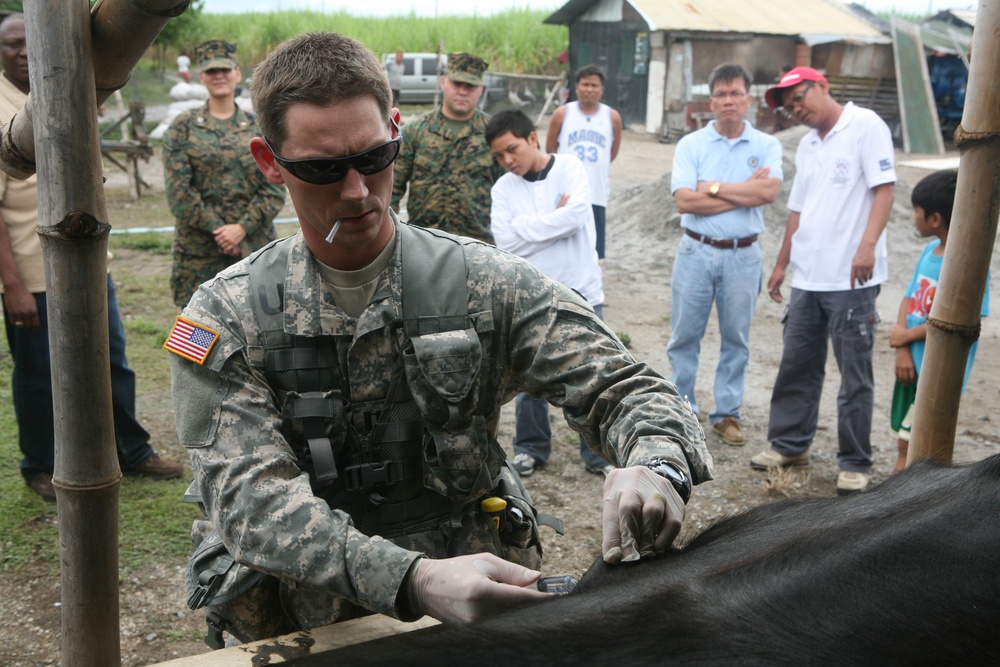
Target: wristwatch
(713, 189)
(674, 474)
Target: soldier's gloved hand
(466, 588)
(642, 514)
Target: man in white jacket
(541, 211)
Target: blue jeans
(31, 384)
(599, 224)
(849, 319)
(532, 434)
(732, 279)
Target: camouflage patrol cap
(465, 68)
(216, 54)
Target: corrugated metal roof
(774, 17)
(946, 38)
(771, 17)
(966, 16)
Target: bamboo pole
(120, 32)
(67, 44)
(953, 325)
(74, 243)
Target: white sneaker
(851, 482)
(772, 459)
(525, 464)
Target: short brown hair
(315, 68)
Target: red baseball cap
(793, 78)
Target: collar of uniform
(204, 118)
(438, 124)
(718, 136)
(846, 116)
(309, 306)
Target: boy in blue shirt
(932, 199)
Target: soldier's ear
(264, 158)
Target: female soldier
(224, 206)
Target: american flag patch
(191, 340)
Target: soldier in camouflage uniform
(224, 206)
(380, 509)
(445, 159)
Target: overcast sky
(484, 7)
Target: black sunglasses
(327, 170)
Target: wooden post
(126, 131)
(71, 217)
(63, 37)
(953, 324)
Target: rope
(969, 333)
(962, 137)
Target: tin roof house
(658, 54)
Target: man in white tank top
(593, 132)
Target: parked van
(420, 79)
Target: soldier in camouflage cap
(465, 68)
(224, 206)
(445, 160)
(216, 54)
(339, 392)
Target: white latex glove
(642, 514)
(466, 588)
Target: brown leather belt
(730, 244)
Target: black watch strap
(674, 474)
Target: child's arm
(899, 335)
(900, 338)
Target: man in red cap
(835, 243)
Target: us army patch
(191, 340)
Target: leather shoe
(157, 468)
(41, 484)
(731, 431)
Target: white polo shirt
(832, 192)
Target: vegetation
(512, 41)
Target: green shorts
(901, 417)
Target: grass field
(153, 523)
(512, 41)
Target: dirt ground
(642, 235)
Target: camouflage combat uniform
(450, 173)
(535, 336)
(212, 180)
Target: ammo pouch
(213, 577)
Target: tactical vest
(423, 456)
(420, 460)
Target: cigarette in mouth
(333, 231)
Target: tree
(181, 33)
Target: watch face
(671, 472)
